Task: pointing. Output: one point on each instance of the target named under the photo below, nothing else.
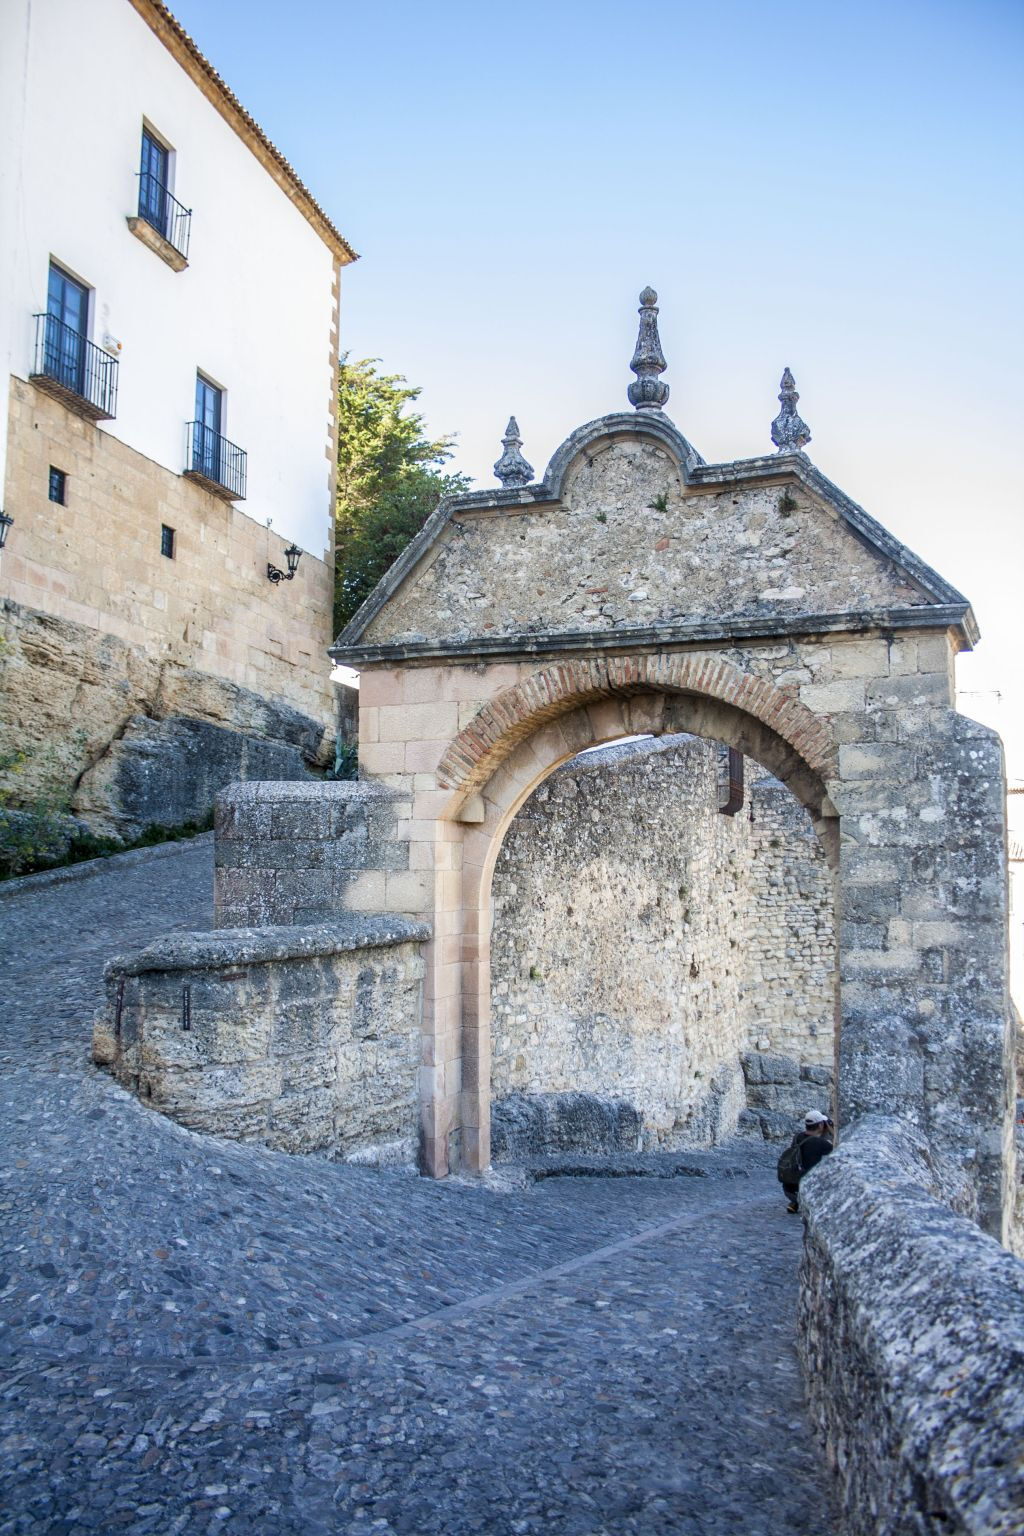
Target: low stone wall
(303, 1038)
(912, 1337)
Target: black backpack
(790, 1164)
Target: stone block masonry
(912, 1337)
(101, 629)
(297, 853)
(642, 942)
(304, 1038)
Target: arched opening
(493, 804)
(662, 956)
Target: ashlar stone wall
(108, 645)
(642, 942)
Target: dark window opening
(67, 309)
(167, 541)
(58, 486)
(153, 189)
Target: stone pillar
(298, 852)
(925, 1031)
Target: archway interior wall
(644, 945)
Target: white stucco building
(82, 84)
(169, 296)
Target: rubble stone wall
(642, 942)
(911, 1326)
(304, 1038)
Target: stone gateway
(636, 590)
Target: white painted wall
(253, 309)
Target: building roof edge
(178, 42)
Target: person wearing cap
(806, 1151)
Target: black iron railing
(74, 366)
(212, 458)
(164, 213)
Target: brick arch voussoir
(520, 710)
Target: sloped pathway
(204, 1337)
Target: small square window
(167, 541)
(58, 486)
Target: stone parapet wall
(297, 853)
(912, 1338)
(304, 1038)
(642, 942)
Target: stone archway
(752, 601)
(535, 741)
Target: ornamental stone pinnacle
(512, 469)
(789, 432)
(647, 392)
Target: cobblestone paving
(205, 1337)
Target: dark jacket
(812, 1149)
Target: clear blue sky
(837, 188)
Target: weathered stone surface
(302, 1038)
(912, 1338)
(589, 561)
(96, 713)
(538, 1123)
(169, 771)
(641, 940)
(291, 852)
(764, 1067)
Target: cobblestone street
(200, 1336)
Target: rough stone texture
(536, 1124)
(780, 1091)
(204, 1336)
(912, 1338)
(642, 941)
(97, 715)
(295, 853)
(590, 562)
(302, 1038)
(169, 771)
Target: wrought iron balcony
(74, 370)
(215, 463)
(164, 213)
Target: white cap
(815, 1117)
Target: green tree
(389, 478)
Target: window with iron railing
(220, 465)
(157, 206)
(66, 363)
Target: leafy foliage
(389, 478)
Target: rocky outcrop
(129, 739)
(168, 772)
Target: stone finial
(647, 392)
(512, 469)
(789, 432)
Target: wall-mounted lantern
(291, 554)
(5, 523)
